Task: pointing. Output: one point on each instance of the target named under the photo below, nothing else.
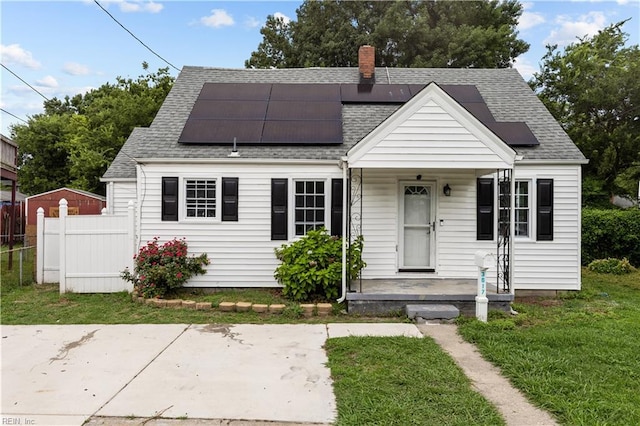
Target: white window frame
(293, 208)
(183, 198)
(528, 209)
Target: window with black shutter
(336, 207)
(230, 199)
(279, 188)
(169, 199)
(484, 205)
(544, 210)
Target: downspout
(345, 166)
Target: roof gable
(432, 130)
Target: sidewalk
(514, 407)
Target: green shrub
(312, 266)
(611, 233)
(160, 269)
(611, 266)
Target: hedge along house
(429, 165)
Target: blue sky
(68, 47)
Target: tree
(73, 142)
(405, 34)
(592, 88)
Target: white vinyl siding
(537, 264)
(242, 252)
(551, 265)
(455, 217)
(123, 192)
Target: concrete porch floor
(389, 296)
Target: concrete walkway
(214, 375)
(486, 379)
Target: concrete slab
(59, 374)
(261, 372)
(436, 311)
(369, 329)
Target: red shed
(80, 202)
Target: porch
(388, 296)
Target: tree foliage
(592, 88)
(405, 34)
(73, 142)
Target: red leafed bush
(160, 269)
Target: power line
(133, 35)
(19, 78)
(13, 115)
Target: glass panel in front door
(417, 226)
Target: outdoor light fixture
(447, 190)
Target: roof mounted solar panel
(514, 133)
(221, 132)
(375, 93)
(305, 92)
(304, 110)
(327, 132)
(235, 91)
(227, 109)
(463, 93)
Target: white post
(103, 211)
(131, 238)
(40, 245)
(484, 261)
(63, 210)
(482, 303)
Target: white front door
(416, 226)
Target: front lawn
(402, 381)
(577, 356)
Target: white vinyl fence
(85, 253)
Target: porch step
(432, 311)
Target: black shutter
(170, 198)
(484, 204)
(279, 195)
(230, 199)
(336, 207)
(544, 215)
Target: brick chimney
(367, 64)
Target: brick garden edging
(308, 310)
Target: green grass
(11, 278)
(402, 381)
(577, 356)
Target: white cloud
(218, 18)
(13, 54)
(74, 68)
(570, 30)
(525, 67)
(129, 6)
(139, 6)
(529, 20)
(48, 81)
(251, 22)
(280, 15)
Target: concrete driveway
(64, 375)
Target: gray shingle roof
(505, 92)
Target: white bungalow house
(429, 165)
